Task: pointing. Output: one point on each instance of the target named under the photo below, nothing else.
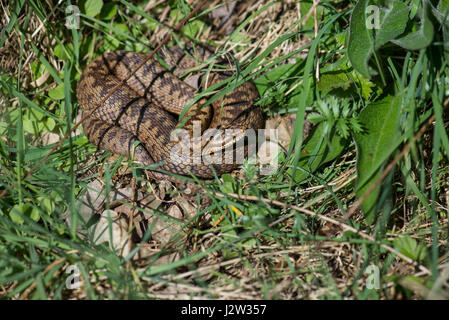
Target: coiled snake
(144, 109)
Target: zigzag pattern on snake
(146, 108)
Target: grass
(293, 234)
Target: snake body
(145, 109)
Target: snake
(140, 118)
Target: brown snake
(144, 109)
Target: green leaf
(229, 184)
(34, 214)
(35, 154)
(46, 204)
(190, 30)
(63, 52)
(381, 120)
(345, 81)
(305, 7)
(25, 209)
(393, 22)
(37, 69)
(57, 93)
(441, 12)
(15, 214)
(317, 151)
(108, 11)
(49, 124)
(419, 39)
(410, 248)
(93, 7)
(369, 30)
(330, 81)
(32, 121)
(121, 31)
(275, 75)
(360, 40)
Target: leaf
(275, 75)
(15, 214)
(273, 85)
(191, 29)
(32, 121)
(381, 119)
(410, 248)
(360, 40)
(317, 152)
(37, 69)
(340, 76)
(93, 7)
(57, 93)
(35, 154)
(63, 52)
(441, 12)
(229, 184)
(305, 7)
(49, 124)
(108, 11)
(25, 209)
(46, 204)
(393, 23)
(329, 81)
(419, 39)
(365, 36)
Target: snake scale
(146, 108)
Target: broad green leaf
(381, 120)
(31, 126)
(229, 184)
(57, 93)
(46, 204)
(15, 214)
(32, 121)
(34, 214)
(93, 7)
(360, 40)
(370, 28)
(37, 69)
(317, 152)
(49, 124)
(409, 247)
(63, 52)
(419, 39)
(330, 81)
(33, 105)
(24, 209)
(108, 11)
(340, 75)
(191, 29)
(441, 12)
(273, 85)
(393, 21)
(123, 29)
